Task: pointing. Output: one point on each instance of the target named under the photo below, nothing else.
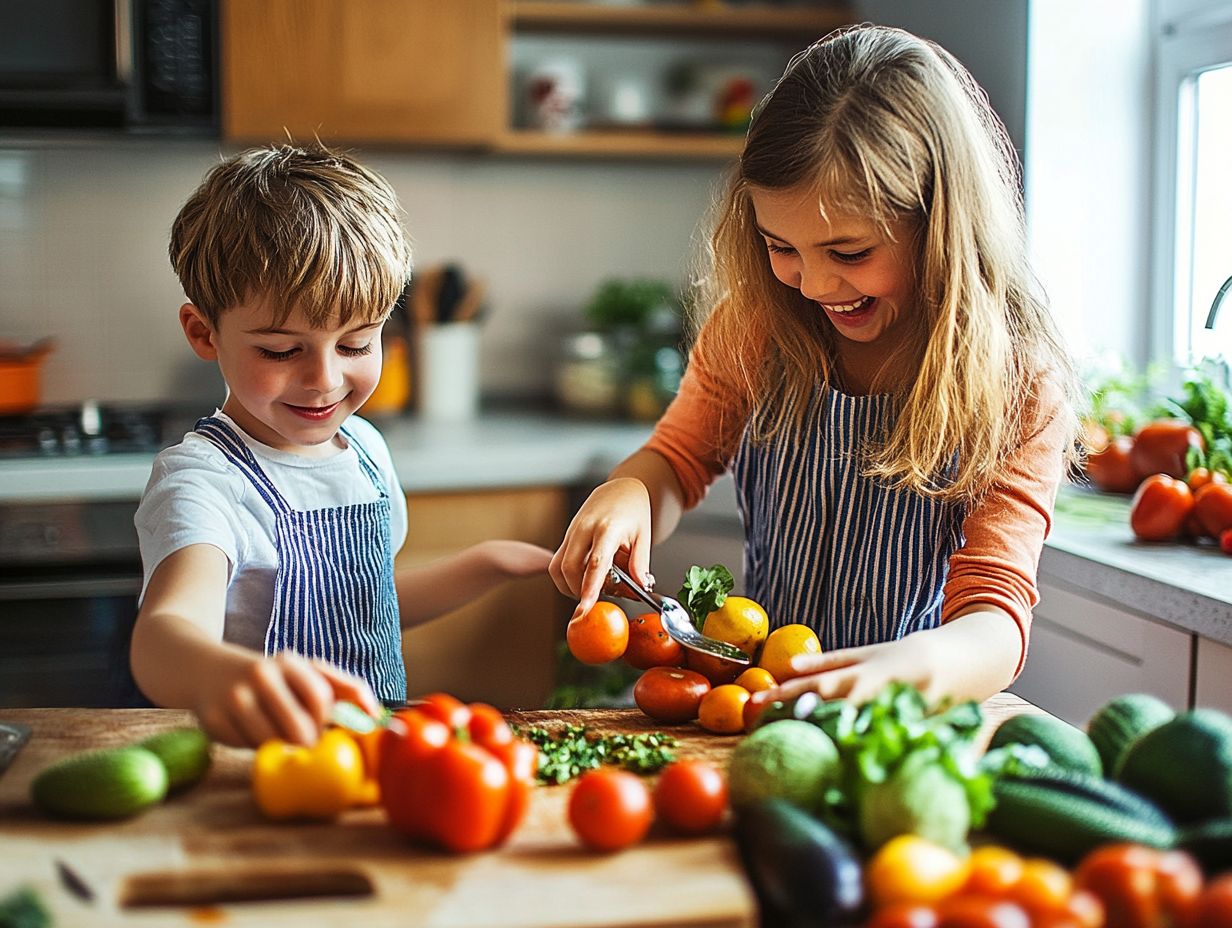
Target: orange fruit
(598, 635)
(722, 709)
(912, 869)
(756, 679)
(784, 643)
(714, 669)
(739, 621)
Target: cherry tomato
(909, 868)
(599, 635)
(670, 694)
(1201, 476)
(904, 915)
(1110, 468)
(487, 725)
(992, 871)
(444, 708)
(691, 796)
(981, 912)
(609, 809)
(1161, 448)
(1160, 508)
(1214, 908)
(1141, 887)
(1042, 886)
(650, 645)
(1213, 508)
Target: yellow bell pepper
(290, 781)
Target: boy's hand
(285, 696)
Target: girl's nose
(818, 283)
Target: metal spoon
(677, 622)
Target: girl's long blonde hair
(886, 125)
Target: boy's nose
(322, 374)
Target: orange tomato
(912, 869)
(1160, 507)
(714, 669)
(981, 912)
(1043, 886)
(992, 871)
(1213, 508)
(904, 915)
(1201, 476)
(650, 645)
(691, 797)
(609, 809)
(721, 711)
(599, 635)
(756, 679)
(670, 694)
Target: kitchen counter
(542, 878)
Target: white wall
(83, 253)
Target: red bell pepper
(454, 776)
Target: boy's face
(290, 386)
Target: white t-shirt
(197, 496)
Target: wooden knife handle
(233, 884)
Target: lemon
(784, 643)
(739, 621)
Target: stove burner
(89, 429)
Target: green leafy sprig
(705, 589)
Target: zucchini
(1067, 747)
(805, 875)
(1210, 843)
(113, 783)
(1065, 817)
(1185, 765)
(185, 752)
(1120, 722)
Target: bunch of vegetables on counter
(1178, 463)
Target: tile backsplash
(83, 253)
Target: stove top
(90, 429)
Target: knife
(12, 736)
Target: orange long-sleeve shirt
(700, 431)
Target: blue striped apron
(826, 546)
(334, 595)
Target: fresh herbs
(574, 749)
(705, 590)
(1207, 406)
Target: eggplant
(804, 874)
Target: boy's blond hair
(885, 125)
(303, 228)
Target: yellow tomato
(913, 869)
(782, 645)
(739, 621)
(722, 709)
(756, 679)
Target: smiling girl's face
(290, 386)
(860, 278)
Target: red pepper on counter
(453, 775)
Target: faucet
(1216, 303)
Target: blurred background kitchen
(555, 160)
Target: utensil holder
(449, 371)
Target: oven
(70, 569)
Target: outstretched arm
(240, 697)
(432, 589)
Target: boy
(268, 534)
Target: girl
(892, 398)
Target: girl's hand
(515, 559)
(859, 674)
(615, 518)
(285, 696)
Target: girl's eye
(355, 352)
(851, 257)
(779, 249)
(276, 355)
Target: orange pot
(20, 378)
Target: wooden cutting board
(542, 878)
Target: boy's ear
(199, 332)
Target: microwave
(137, 65)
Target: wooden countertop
(542, 878)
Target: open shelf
(624, 143)
(755, 21)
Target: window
(1193, 179)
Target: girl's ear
(199, 332)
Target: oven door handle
(70, 588)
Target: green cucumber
(1067, 816)
(1120, 722)
(113, 783)
(185, 752)
(1210, 843)
(1067, 747)
(1185, 765)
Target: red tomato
(1201, 476)
(691, 796)
(487, 726)
(609, 809)
(1213, 508)
(1161, 448)
(650, 645)
(1214, 909)
(903, 915)
(670, 694)
(981, 912)
(1110, 468)
(599, 635)
(1225, 541)
(1160, 508)
(445, 708)
(1141, 887)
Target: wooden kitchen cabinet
(436, 72)
(385, 71)
(500, 648)
(1084, 651)
(1213, 675)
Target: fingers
(598, 565)
(834, 684)
(639, 561)
(343, 685)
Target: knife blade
(12, 736)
